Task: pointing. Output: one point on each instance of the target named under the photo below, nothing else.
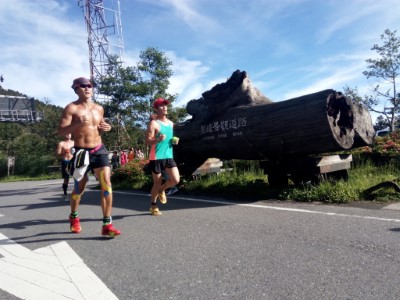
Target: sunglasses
(86, 86)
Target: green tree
(47, 127)
(8, 133)
(118, 85)
(32, 144)
(155, 68)
(384, 70)
(131, 92)
(10, 92)
(178, 114)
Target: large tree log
(365, 133)
(235, 121)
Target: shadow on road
(46, 197)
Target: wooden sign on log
(235, 121)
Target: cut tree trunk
(252, 127)
(364, 130)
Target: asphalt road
(215, 248)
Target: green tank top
(163, 149)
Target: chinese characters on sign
(223, 128)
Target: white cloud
(373, 15)
(45, 50)
(187, 79)
(186, 10)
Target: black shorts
(64, 169)
(158, 165)
(98, 158)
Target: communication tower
(105, 38)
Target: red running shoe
(75, 225)
(110, 231)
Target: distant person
(84, 120)
(64, 152)
(139, 154)
(131, 154)
(159, 136)
(115, 160)
(124, 158)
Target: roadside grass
(30, 178)
(361, 177)
(234, 184)
(250, 184)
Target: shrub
(3, 166)
(386, 149)
(327, 191)
(362, 176)
(131, 175)
(32, 165)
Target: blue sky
(288, 48)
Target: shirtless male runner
(64, 152)
(159, 136)
(84, 120)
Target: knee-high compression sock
(107, 190)
(75, 194)
(65, 186)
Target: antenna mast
(104, 36)
(105, 39)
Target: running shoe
(172, 190)
(75, 225)
(162, 197)
(66, 198)
(110, 230)
(155, 211)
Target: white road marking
(57, 272)
(53, 272)
(273, 207)
(393, 206)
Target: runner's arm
(65, 126)
(151, 132)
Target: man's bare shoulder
(154, 123)
(72, 105)
(62, 144)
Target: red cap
(160, 101)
